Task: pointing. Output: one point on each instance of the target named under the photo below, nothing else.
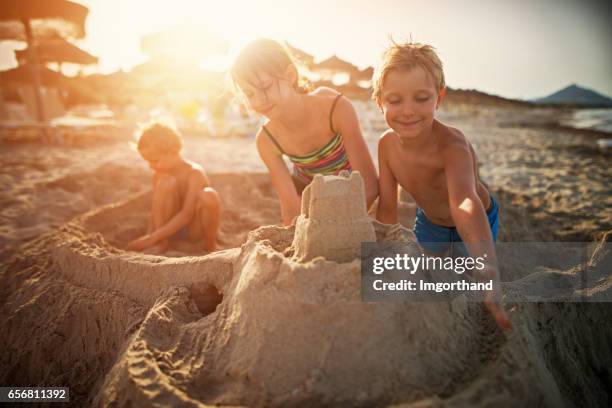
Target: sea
(596, 119)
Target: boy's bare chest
(182, 181)
(421, 174)
(415, 168)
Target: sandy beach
(251, 325)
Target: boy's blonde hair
(407, 56)
(265, 56)
(159, 137)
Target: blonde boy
(435, 163)
(183, 202)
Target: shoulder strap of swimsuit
(331, 113)
(280, 149)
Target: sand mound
(89, 251)
(274, 323)
(288, 330)
(294, 332)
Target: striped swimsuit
(329, 159)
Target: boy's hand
(140, 243)
(498, 312)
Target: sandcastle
(334, 220)
(293, 329)
(285, 330)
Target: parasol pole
(2, 107)
(33, 58)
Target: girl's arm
(281, 178)
(387, 185)
(346, 122)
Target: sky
(517, 49)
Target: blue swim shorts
(438, 239)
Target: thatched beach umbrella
(175, 57)
(164, 67)
(336, 65)
(363, 75)
(300, 55)
(116, 80)
(23, 74)
(187, 42)
(59, 51)
(66, 17)
(352, 90)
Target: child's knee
(209, 199)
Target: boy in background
(183, 202)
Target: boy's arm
(465, 206)
(281, 179)
(195, 184)
(471, 220)
(150, 227)
(346, 122)
(387, 187)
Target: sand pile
(72, 297)
(274, 323)
(90, 253)
(288, 330)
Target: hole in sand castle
(205, 296)
(246, 205)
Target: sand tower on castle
(334, 220)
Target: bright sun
(207, 31)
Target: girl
(318, 131)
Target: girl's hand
(141, 243)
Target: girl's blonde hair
(406, 56)
(265, 56)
